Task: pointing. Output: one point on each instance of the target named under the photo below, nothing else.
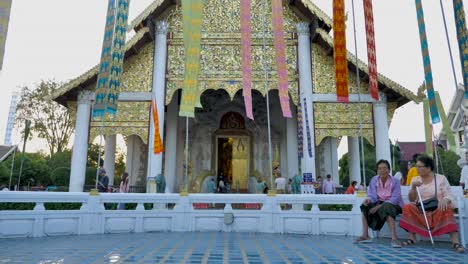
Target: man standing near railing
(103, 184)
(329, 186)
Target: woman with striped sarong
(441, 220)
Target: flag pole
(358, 80)
(465, 132)
(265, 69)
(12, 167)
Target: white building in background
(11, 119)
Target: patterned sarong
(459, 13)
(5, 7)
(427, 63)
(280, 49)
(371, 56)
(192, 12)
(340, 52)
(377, 220)
(246, 35)
(440, 222)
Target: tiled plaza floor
(217, 248)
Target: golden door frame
(233, 133)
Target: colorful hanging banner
(460, 21)
(300, 137)
(157, 143)
(102, 84)
(445, 124)
(427, 127)
(371, 56)
(192, 13)
(309, 139)
(340, 52)
(427, 63)
(246, 38)
(280, 49)
(118, 54)
(5, 8)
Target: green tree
(447, 165)
(51, 121)
(370, 161)
(60, 165)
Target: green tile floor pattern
(217, 248)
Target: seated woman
(441, 220)
(383, 204)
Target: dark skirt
(377, 220)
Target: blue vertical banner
(427, 64)
(118, 53)
(460, 21)
(112, 55)
(102, 84)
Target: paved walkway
(217, 248)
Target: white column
(334, 159)
(354, 159)
(159, 87)
(382, 142)
(171, 145)
(109, 158)
(305, 80)
(80, 143)
(129, 164)
(291, 144)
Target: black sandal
(408, 242)
(458, 248)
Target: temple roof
(394, 91)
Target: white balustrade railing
(171, 212)
(283, 213)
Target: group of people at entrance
(384, 202)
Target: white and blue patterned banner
(459, 14)
(427, 63)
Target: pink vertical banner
(371, 56)
(280, 48)
(246, 38)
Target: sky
(61, 39)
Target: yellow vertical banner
(5, 8)
(192, 13)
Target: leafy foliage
(370, 161)
(447, 165)
(51, 121)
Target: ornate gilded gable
(138, 70)
(221, 48)
(324, 73)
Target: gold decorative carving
(342, 119)
(221, 49)
(132, 119)
(138, 70)
(324, 73)
(391, 107)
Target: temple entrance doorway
(232, 160)
(233, 145)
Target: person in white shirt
(464, 177)
(328, 186)
(280, 184)
(398, 176)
